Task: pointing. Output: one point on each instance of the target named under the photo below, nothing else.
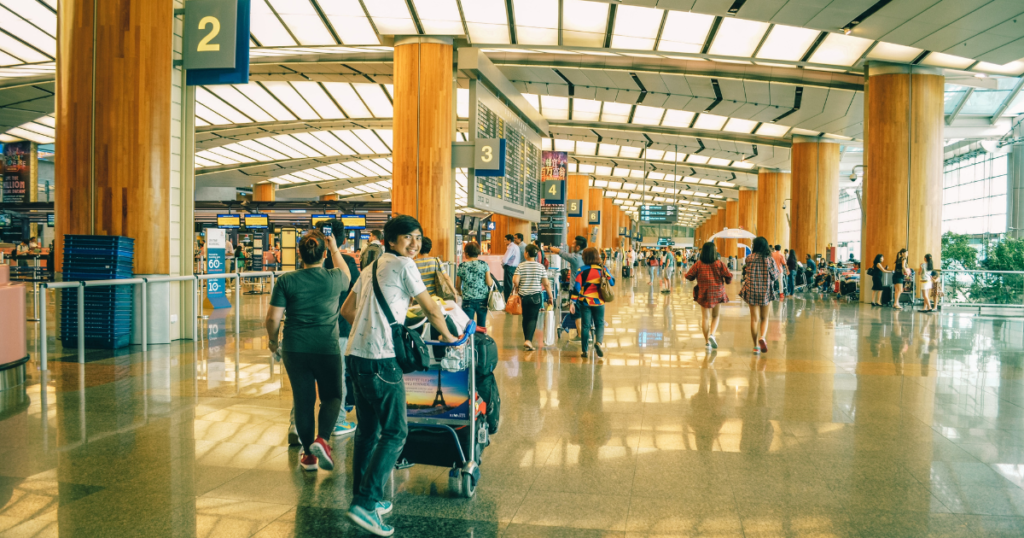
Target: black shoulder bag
(411, 353)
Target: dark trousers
(531, 311)
(477, 308)
(591, 314)
(312, 373)
(506, 281)
(382, 428)
(791, 282)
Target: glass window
(974, 195)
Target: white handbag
(495, 300)
(550, 328)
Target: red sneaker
(307, 462)
(322, 450)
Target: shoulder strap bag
(445, 287)
(411, 352)
(605, 291)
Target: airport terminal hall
(512, 268)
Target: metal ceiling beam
(959, 106)
(1009, 100)
(634, 161)
(677, 131)
(244, 175)
(212, 136)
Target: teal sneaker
(343, 427)
(369, 521)
(384, 508)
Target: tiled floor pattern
(858, 422)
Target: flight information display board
(659, 214)
(517, 193)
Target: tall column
(903, 176)
(732, 221)
(114, 111)
(596, 203)
(609, 223)
(815, 191)
(1015, 188)
(267, 192)
(577, 187)
(747, 216)
(422, 149)
(507, 226)
(335, 198)
(773, 189)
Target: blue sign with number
(239, 74)
(215, 297)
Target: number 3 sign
(210, 34)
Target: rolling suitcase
(486, 386)
(887, 295)
(625, 271)
(550, 328)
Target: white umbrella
(735, 233)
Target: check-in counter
(14, 352)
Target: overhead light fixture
(847, 30)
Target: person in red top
(711, 275)
(759, 274)
(780, 264)
(586, 297)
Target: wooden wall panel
(747, 213)
(422, 148)
(610, 223)
(903, 177)
(815, 191)
(115, 149)
(773, 189)
(267, 192)
(577, 187)
(506, 225)
(732, 221)
(595, 202)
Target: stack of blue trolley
(108, 309)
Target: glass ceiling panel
(685, 32)
(635, 27)
(487, 21)
(953, 95)
(303, 21)
(350, 22)
(583, 23)
(839, 49)
(787, 43)
(738, 37)
(391, 17)
(985, 102)
(536, 22)
(439, 17)
(266, 27)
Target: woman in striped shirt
(586, 296)
(529, 281)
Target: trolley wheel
(468, 486)
(455, 482)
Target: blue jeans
(476, 307)
(380, 408)
(591, 314)
(791, 282)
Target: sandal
(529, 346)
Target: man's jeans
(380, 409)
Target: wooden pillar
(596, 203)
(113, 106)
(267, 192)
(814, 222)
(773, 188)
(732, 221)
(747, 212)
(504, 226)
(335, 198)
(609, 223)
(422, 149)
(903, 176)
(577, 187)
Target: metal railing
(80, 287)
(999, 289)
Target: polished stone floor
(859, 421)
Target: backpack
(370, 255)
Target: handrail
(470, 329)
(982, 271)
(984, 289)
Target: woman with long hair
(711, 275)
(876, 271)
(586, 296)
(924, 280)
(899, 276)
(759, 272)
(791, 277)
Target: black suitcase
(887, 295)
(625, 271)
(846, 288)
(486, 386)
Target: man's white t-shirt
(399, 281)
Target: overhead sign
(216, 42)
(574, 208)
(623, 230)
(489, 157)
(594, 217)
(551, 228)
(354, 222)
(257, 220)
(659, 214)
(228, 221)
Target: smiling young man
(376, 377)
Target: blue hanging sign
(215, 264)
(200, 35)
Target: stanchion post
(81, 323)
(195, 308)
(145, 321)
(238, 308)
(42, 334)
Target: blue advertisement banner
(437, 394)
(215, 297)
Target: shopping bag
(495, 301)
(550, 328)
(514, 305)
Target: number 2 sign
(210, 34)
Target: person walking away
(530, 281)
(899, 276)
(373, 250)
(377, 380)
(429, 267)
(587, 296)
(310, 350)
(877, 287)
(574, 258)
(926, 282)
(669, 271)
(509, 262)
(473, 280)
(791, 267)
(810, 269)
(759, 274)
(780, 264)
(711, 275)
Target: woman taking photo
(586, 296)
(473, 281)
(877, 285)
(899, 276)
(924, 281)
(711, 275)
(759, 273)
(529, 281)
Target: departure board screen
(659, 214)
(517, 193)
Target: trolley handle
(470, 329)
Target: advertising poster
(437, 394)
(551, 228)
(215, 264)
(19, 167)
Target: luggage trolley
(441, 434)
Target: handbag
(550, 328)
(445, 288)
(514, 306)
(411, 352)
(495, 300)
(605, 291)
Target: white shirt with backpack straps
(399, 281)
